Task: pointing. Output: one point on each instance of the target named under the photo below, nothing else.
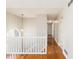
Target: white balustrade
(27, 45)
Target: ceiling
(33, 12)
(36, 3)
(31, 8)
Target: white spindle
(29, 45)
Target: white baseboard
(62, 50)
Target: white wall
(29, 26)
(56, 26)
(34, 28)
(12, 21)
(52, 29)
(66, 31)
(49, 28)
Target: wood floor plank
(54, 52)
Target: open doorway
(52, 31)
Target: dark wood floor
(54, 52)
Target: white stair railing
(22, 45)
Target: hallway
(28, 23)
(53, 52)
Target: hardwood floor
(54, 52)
